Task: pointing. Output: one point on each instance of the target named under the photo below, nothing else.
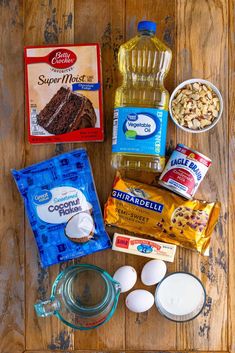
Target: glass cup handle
(47, 307)
(117, 287)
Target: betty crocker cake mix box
(64, 93)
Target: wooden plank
(126, 351)
(231, 144)
(107, 29)
(202, 52)
(46, 22)
(12, 156)
(150, 330)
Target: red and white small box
(184, 171)
(64, 93)
(144, 247)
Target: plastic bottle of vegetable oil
(141, 102)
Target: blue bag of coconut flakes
(63, 207)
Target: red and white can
(184, 171)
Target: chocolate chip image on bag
(158, 213)
(63, 207)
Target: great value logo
(42, 197)
(141, 126)
(62, 58)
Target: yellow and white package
(152, 211)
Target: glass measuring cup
(83, 297)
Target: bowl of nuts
(196, 105)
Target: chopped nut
(208, 116)
(202, 93)
(204, 109)
(205, 122)
(209, 95)
(195, 96)
(204, 100)
(215, 100)
(190, 125)
(187, 92)
(196, 123)
(198, 112)
(215, 113)
(196, 86)
(189, 117)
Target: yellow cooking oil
(141, 102)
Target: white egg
(153, 272)
(126, 276)
(139, 300)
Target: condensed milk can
(184, 171)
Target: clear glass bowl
(180, 296)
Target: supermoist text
(65, 79)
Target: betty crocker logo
(62, 58)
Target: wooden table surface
(201, 35)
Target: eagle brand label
(184, 171)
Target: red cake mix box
(64, 93)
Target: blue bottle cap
(147, 26)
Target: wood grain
(201, 35)
(46, 22)
(150, 330)
(202, 52)
(231, 185)
(126, 351)
(12, 333)
(108, 30)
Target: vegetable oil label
(139, 130)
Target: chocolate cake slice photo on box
(67, 112)
(64, 93)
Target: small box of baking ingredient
(64, 93)
(63, 208)
(144, 247)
